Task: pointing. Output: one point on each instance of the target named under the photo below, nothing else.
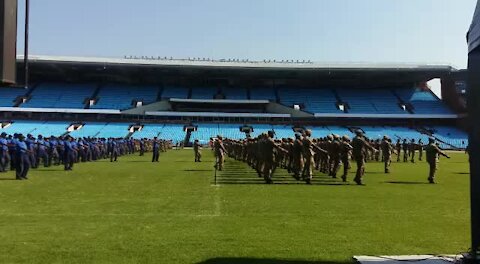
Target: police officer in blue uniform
(4, 154)
(69, 156)
(22, 158)
(42, 151)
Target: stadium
(143, 98)
(158, 159)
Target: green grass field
(135, 211)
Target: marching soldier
(309, 152)
(405, 150)
(297, 156)
(197, 150)
(398, 147)
(346, 152)
(387, 150)
(413, 147)
(219, 153)
(155, 150)
(432, 152)
(269, 148)
(420, 149)
(334, 151)
(360, 144)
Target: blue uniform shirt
(21, 147)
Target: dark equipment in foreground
(473, 101)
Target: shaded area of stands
(423, 102)
(9, 94)
(313, 100)
(59, 95)
(175, 92)
(374, 101)
(263, 93)
(116, 96)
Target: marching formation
(21, 153)
(303, 154)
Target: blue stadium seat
(314, 100)
(204, 92)
(60, 95)
(424, 102)
(173, 132)
(370, 101)
(51, 128)
(235, 93)
(175, 92)
(23, 127)
(9, 94)
(283, 131)
(452, 136)
(149, 131)
(231, 131)
(116, 96)
(394, 133)
(102, 130)
(263, 93)
(89, 130)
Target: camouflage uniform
(432, 152)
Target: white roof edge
(227, 64)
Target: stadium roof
(223, 63)
(154, 70)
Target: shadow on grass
(406, 182)
(266, 261)
(462, 173)
(8, 179)
(198, 170)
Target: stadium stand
(102, 130)
(175, 92)
(149, 131)
(394, 133)
(88, 130)
(172, 132)
(114, 130)
(204, 92)
(263, 93)
(313, 100)
(205, 131)
(423, 102)
(235, 93)
(283, 131)
(50, 128)
(59, 95)
(24, 127)
(318, 89)
(451, 135)
(116, 96)
(231, 131)
(9, 94)
(365, 101)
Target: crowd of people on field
(22, 153)
(303, 154)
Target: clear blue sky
(418, 31)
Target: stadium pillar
(473, 101)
